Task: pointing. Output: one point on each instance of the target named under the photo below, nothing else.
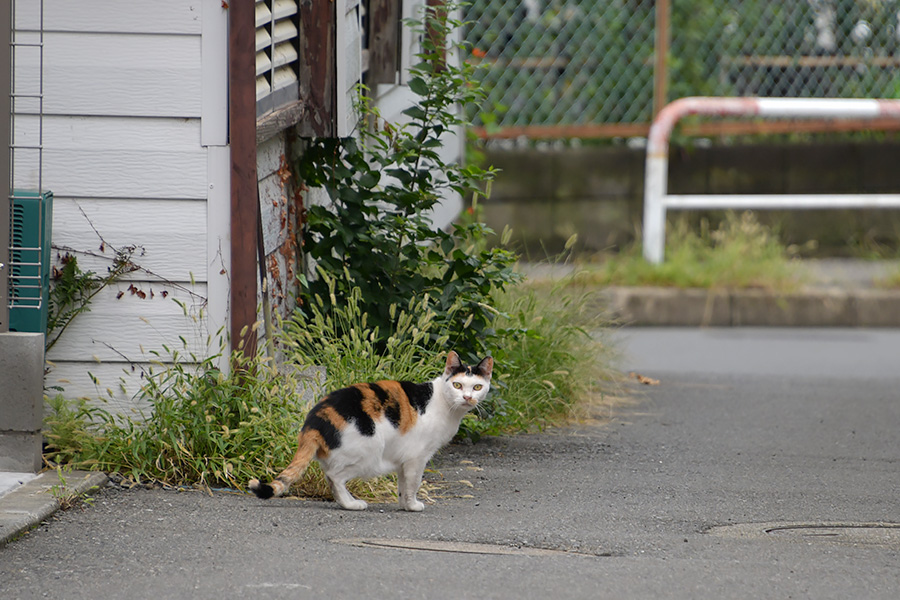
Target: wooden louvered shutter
(277, 56)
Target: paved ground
(746, 427)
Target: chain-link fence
(589, 67)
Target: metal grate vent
(31, 217)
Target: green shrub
(377, 234)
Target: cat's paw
(354, 505)
(414, 506)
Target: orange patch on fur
(371, 405)
(332, 416)
(317, 439)
(397, 397)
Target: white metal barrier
(657, 202)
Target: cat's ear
(486, 367)
(453, 364)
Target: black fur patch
(329, 432)
(391, 409)
(348, 403)
(264, 491)
(460, 369)
(419, 394)
(379, 392)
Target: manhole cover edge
(476, 548)
(783, 529)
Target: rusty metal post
(242, 139)
(660, 56)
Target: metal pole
(660, 56)
(5, 130)
(657, 200)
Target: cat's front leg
(409, 478)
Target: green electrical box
(31, 220)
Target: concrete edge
(812, 307)
(27, 506)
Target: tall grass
(740, 253)
(216, 429)
(343, 341)
(551, 360)
(203, 427)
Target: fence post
(654, 234)
(660, 56)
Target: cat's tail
(310, 443)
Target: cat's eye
(478, 386)
(457, 385)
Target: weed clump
(740, 253)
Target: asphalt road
(746, 427)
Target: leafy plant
(384, 188)
(73, 290)
(349, 347)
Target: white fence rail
(657, 201)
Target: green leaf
(418, 86)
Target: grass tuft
(741, 253)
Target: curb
(811, 307)
(26, 506)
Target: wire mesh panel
(574, 63)
(550, 63)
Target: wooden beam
(555, 132)
(719, 128)
(242, 141)
(707, 129)
(278, 120)
(384, 41)
(318, 67)
(438, 10)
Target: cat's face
(465, 386)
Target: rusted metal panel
(384, 37)
(318, 82)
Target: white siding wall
(134, 137)
(122, 86)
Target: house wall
(133, 129)
(122, 106)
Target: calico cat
(369, 429)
